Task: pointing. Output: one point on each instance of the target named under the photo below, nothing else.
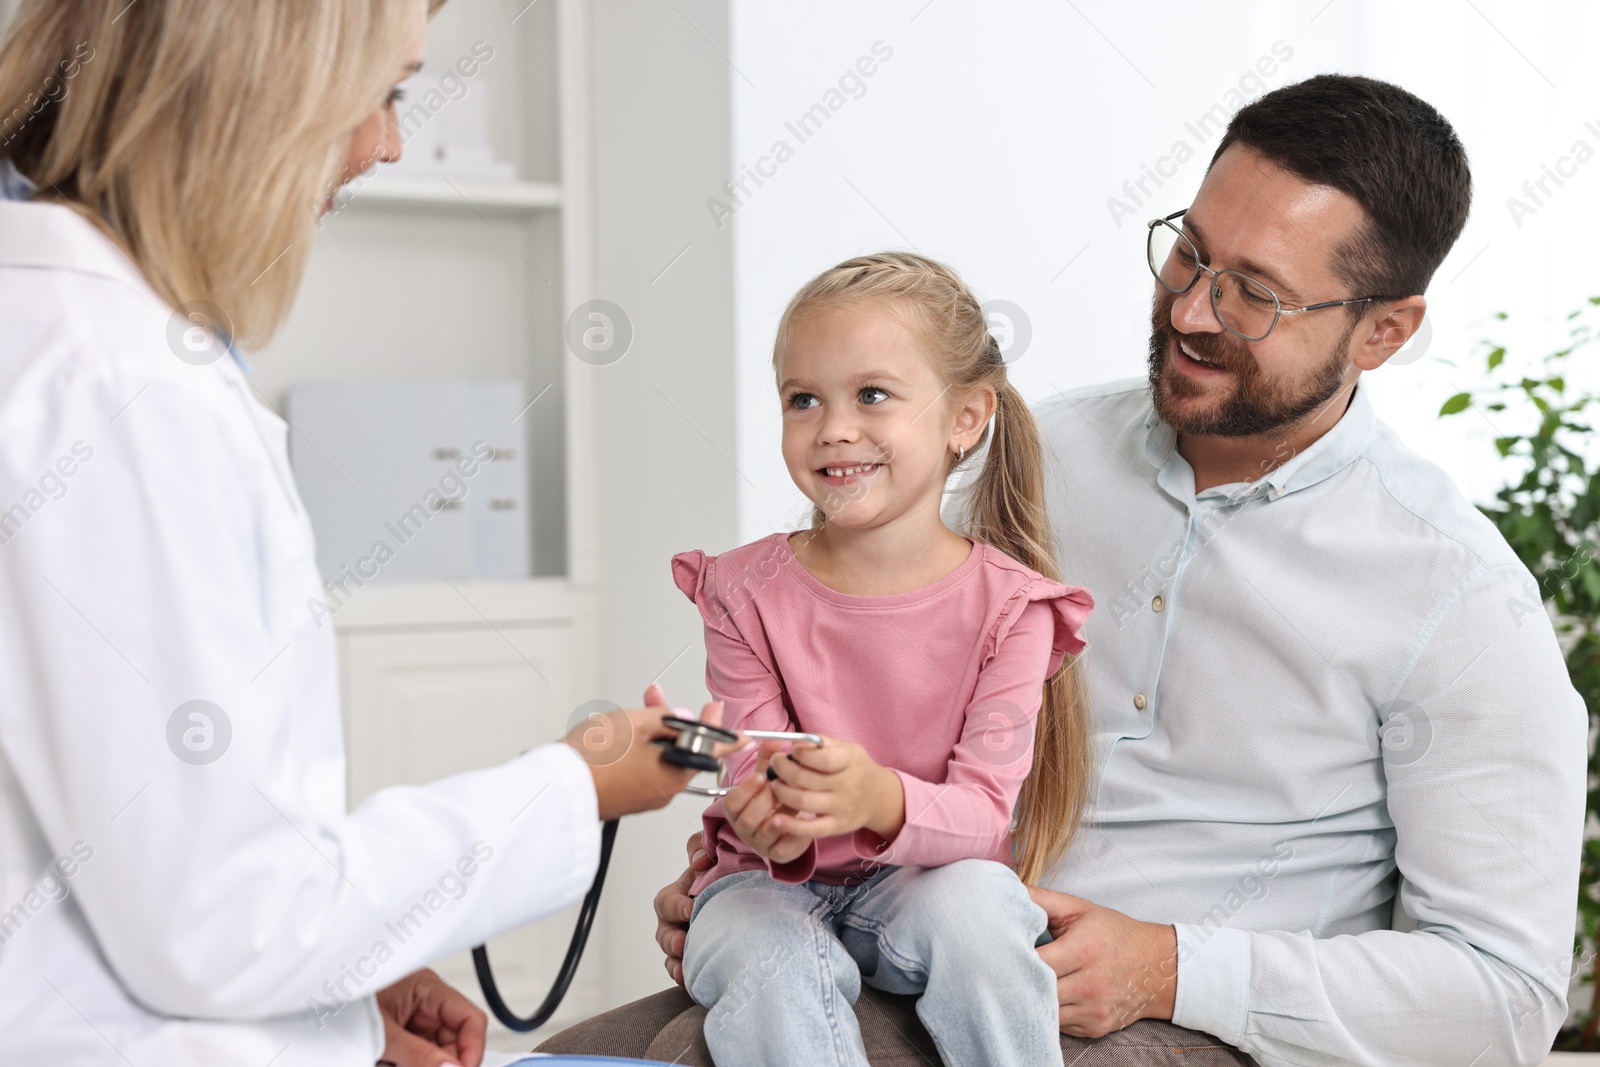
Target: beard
(1257, 404)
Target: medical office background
(678, 168)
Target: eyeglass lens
(1242, 304)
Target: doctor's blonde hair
(1005, 507)
(199, 135)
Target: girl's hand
(837, 789)
(752, 811)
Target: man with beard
(1322, 681)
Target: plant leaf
(1456, 404)
(1591, 580)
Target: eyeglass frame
(1278, 309)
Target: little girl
(923, 657)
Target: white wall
(661, 116)
(996, 134)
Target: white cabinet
(442, 678)
(424, 705)
(452, 276)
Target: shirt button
(1157, 604)
(1138, 701)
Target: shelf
(438, 605)
(421, 192)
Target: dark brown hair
(1388, 150)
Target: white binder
(413, 480)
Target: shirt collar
(53, 236)
(1327, 455)
(13, 186)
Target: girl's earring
(961, 453)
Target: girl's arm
(966, 816)
(751, 694)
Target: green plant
(1551, 517)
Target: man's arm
(1484, 755)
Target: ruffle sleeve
(694, 573)
(1069, 606)
(747, 684)
(689, 573)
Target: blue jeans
(779, 967)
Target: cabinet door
(423, 705)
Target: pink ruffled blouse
(941, 684)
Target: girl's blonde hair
(1006, 507)
(200, 136)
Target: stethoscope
(691, 746)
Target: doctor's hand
(673, 905)
(629, 774)
(1111, 970)
(427, 1023)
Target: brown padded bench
(668, 1027)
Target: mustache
(1210, 346)
(1220, 348)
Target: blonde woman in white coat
(154, 552)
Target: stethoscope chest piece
(694, 744)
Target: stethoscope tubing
(591, 903)
(569, 966)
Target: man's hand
(1111, 970)
(673, 905)
(426, 1023)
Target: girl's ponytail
(1007, 510)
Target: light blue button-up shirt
(1306, 686)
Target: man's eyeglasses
(1243, 306)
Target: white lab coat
(153, 551)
